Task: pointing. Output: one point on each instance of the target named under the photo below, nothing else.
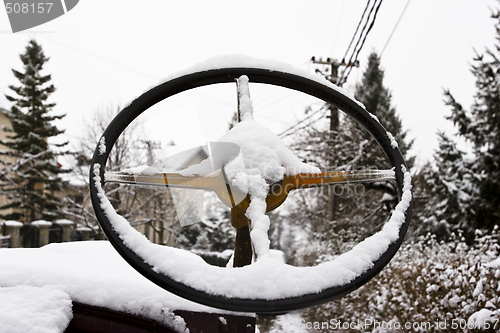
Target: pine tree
(451, 189)
(481, 127)
(32, 180)
(351, 147)
(377, 100)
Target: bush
(428, 284)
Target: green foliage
(30, 179)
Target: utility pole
(330, 72)
(150, 146)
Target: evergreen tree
(377, 100)
(33, 178)
(451, 189)
(351, 147)
(481, 127)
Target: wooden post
(243, 244)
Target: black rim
(257, 75)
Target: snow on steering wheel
(253, 178)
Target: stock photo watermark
(371, 324)
(26, 14)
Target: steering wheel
(164, 266)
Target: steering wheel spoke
(304, 180)
(163, 179)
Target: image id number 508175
(24, 8)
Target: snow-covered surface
(37, 285)
(41, 223)
(82, 228)
(394, 143)
(481, 319)
(244, 61)
(30, 309)
(65, 222)
(12, 223)
(494, 264)
(102, 146)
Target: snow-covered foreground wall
(38, 285)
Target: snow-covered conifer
(480, 126)
(30, 178)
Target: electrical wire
(360, 37)
(344, 76)
(338, 27)
(285, 132)
(356, 31)
(394, 29)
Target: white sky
(109, 52)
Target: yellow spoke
(303, 180)
(164, 179)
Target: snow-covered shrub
(428, 284)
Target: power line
(356, 31)
(362, 39)
(338, 26)
(342, 76)
(394, 29)
(285, 132)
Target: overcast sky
(108, 52)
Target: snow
(394, 143)
(82, 228)
(41, 223)
(29, 309)
(223, 320)
(244, 61)
(65, 222)
(479, 288)
(480, 318)
(266, 278)
(494, 264)
(266, 160)
(102, 146)
(386, 197)
(12, 224)
(39, 285)
(291, 322)
(373, 116)
(454, 301)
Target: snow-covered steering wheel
(264, 286)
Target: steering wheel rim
(327, 93)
